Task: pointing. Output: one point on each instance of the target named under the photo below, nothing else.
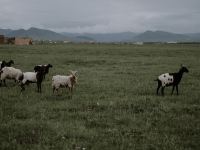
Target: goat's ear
(70, 71)
(73, 72)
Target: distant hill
(161, 36)
(77, 37)
(102, 37)
(148, 36)
(34, 33)
(5, 31)
(38, 34)
(194, 36)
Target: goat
(170, 79)
(33, 77)
(64, 81)
(46, 68)
(10, 73)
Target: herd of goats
(58, 81)
(37, 76)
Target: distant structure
(23, 41)
(15, 40)
(9, 40)
(2, 39)
(138, 43)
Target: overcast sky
(102, 16)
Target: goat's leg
(159, 85)
(157, 90)
(38, 87)
(4, 82)
(54, 89)
(162, 91)
(177, 89)
(22, 87)
(172, 90)
(70, 92)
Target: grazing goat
(10, 73)
(33, 77)
(46, 68)
(6, 64)
(170, 79)
(69, 81)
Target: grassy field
(114, 105)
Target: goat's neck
(180, 74)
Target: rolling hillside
(148, 36)
(34, 33)
(160, 36)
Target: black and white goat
(33, 77)
(44, 67)
(6, 64)
(170, 79)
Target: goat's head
(37, 68)
(73, 76)
(74, 73)
(49, 65)
(40, 69)
(11, 62)
(47, 68)
(184, 69)
(3, 64)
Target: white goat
(11, 73)
(32, 77)
(69, 81)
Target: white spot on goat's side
(166, 79)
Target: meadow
(114, 105)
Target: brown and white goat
(60, 81)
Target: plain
(114, 105)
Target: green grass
(114, 105)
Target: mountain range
(148, 36)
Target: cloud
(103, 16)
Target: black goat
(45, 68)
(170, 79)
(6, 64)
